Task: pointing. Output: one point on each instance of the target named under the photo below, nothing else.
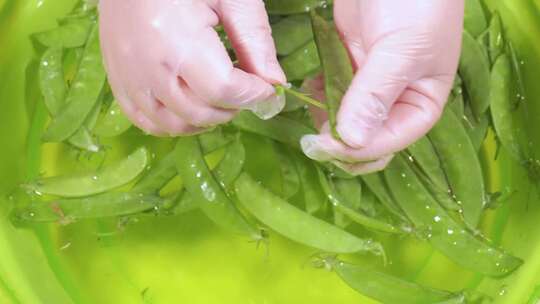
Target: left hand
(405, 55)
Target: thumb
(378, 83)
(247, 25)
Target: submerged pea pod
(83, 94)
(314, 197)
(105, 179)
(506, 121)
(496, 38)
(287, 7)
(425, 157)
(281, 129)
(71, 34)
(51, 80)
(443, 232)
(474, 71)
(289, 175)
(301, 63)
(475, 21)
(336, 65)
(83, 138)
(99, 206)
(296, 224)
(206, 189)
(113, 123)
(378, 187)
(388, 289)
(343, 205)
(461, 165)
(291, 33)
(158, 176)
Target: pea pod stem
(303, 97)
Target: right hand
(171, 73)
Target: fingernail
(356, 135)
(274, 72)
(268, 108)
(311, 147)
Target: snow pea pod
(230, 167)
(83, 94)
(103, 180)
(350, 192)
(388, 289)
(377, 185)
(461, 164)
(496, 38)
(205, 188)
(71, 34)
(302, 62)
(336, 65)
(158, 176)
(51, 80)
(83, 138)
(516, 68)
(425, 157)
(291, 33)
(113, 123)
(290, 178)
(443, 232)
(296, 224)
(474, 71)
(99, 206)
(281, 129)
(476, 127)
(287, 7)
(475, 21)
(314, 197)
(505, 121)
(343, 205)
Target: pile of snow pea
(250, 176)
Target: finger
(179, 98)
(410, 119)
(211, 75)
(364, 168)
(138, 118)
(169, 122)
(246, 23)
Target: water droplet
(450, 231)
(437, 218)
(95, 177)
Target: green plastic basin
(186, 259)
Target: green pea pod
(301, 63)
(506, 122)
(83, 94)
(83, 138)
(474, 71)
(158, 176)
(113, 123)
(475, 19)
(389, 289)
(215, 140)
(336, 65)
(341, 204)
(461, 164)
(496, 37)
(291, 33)
(296, 224)
(518, 77)
(279, 128)
(51, 80)
(103, 180)
(290, 178)
(288, 7)
(72, 34)
(99, 206)
(205, 188)
(444, 233)
(231, 165)
(378, 186)
(456, 101)
(423, 154)
(350, 192)
(314, 197)
(476, 127)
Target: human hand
(405, 55)
(171, 73)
